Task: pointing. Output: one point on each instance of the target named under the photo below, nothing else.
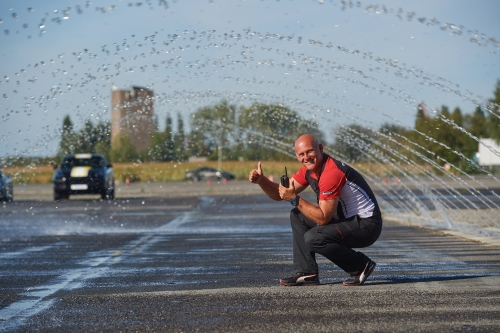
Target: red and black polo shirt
(339, 180)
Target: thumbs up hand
(256, 174)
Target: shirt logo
(327, 193)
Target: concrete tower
(132, 115)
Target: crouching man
(346, 214)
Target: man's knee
(313, 240)
(316, 242)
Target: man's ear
(320, 147)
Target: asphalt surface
(211, 263)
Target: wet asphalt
(211, 263)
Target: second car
(205, 173)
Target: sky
(334, 62)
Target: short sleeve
(300, 177)
(331, 182)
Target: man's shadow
(387, 279)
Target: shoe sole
(299, 284)
(362, 278)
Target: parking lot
(212, 263)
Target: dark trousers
(335, 241)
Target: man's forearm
(322, 214)
(270, 188)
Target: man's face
(309, 153)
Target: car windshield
(94, 162)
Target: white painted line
(16, 313)
(23, 252)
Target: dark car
(6, 188)
(207, 173)
(84, 174)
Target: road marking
(16, 313)
(12, 255)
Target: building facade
(132, 115)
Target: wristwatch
(295, 201)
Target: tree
(352, 142)
(86, 138)
(157, 150)
(169, 140)
(102, 132)
(180, 140)
(161, 147)
(476, 124)
(68, 143)
(196, 145)
(213, 127)
(448, 138)
(394, 139)
(125, 151)
(445, 136)
(90, 139)
(269, 131)
(494, 115)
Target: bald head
(307, 139)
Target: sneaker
(301, 279)
(358, 280)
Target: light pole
(219, 147)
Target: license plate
(79, 187)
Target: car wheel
(10, 197)
(108, 194)
(111, 194)
(57, 196)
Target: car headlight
(58, 175)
